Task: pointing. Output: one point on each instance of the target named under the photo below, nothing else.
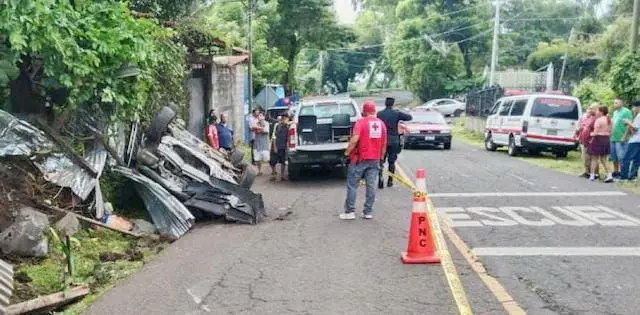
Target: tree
(579, 64)
(625, 77)
(165, 9)
(530, 22)
(342, 66)
(304, 23)
(64, 56)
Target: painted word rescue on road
(536, 216)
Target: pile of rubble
(178, 177)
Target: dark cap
(635, 103)
(389, 101)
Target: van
(533, 123)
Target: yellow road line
(501, 294)
(449, 268)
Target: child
(279, 143)
(261, 144)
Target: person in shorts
(261, 143)
(279, 143)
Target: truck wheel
(160, 123)
(447, 146)
(562, 154)
(457, 113)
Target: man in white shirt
(632, 156)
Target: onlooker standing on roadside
(279, 143)
(225, 135)
(253, 127)
(585, 127)
(366, 148)
(211, 133)
(631, 161)
(600, 145)
(618, 144)
(261, 143)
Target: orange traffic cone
(421, 249)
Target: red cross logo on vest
(375, 127)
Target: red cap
(368, 107)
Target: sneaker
(616, 174)
(347, 216)
(390, 183)
(367, 216)
(609, 179)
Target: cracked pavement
(301, 260)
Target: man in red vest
(366, 148)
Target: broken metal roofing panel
(18, 137)
(169, 215)
(6, 285)
(60, 170)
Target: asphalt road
(557, 243)
(302, 260)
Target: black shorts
(278, 157)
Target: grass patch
(46, 276)
(572, 164)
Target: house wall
(227, 95)
(196, 107)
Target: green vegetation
(112, 58)
(101, 258)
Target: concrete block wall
(475, 124)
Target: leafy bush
(591, 91)
(84, 46)
(625, 77)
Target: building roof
(230, 60)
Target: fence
(479, 102)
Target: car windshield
(559, 108)
(328, 110)
(431, 119)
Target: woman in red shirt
(211, 133)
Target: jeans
(617, 151)
(368, 170)
(631, 162)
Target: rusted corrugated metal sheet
(6, 285)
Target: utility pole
(321, 63)
(634, 25)
(251, 5)
(564, 61)
(494, 48)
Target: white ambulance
(533, 123)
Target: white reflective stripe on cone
(419, 206)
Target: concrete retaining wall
(475, 124)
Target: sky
(344, 11)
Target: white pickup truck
(320, 133)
